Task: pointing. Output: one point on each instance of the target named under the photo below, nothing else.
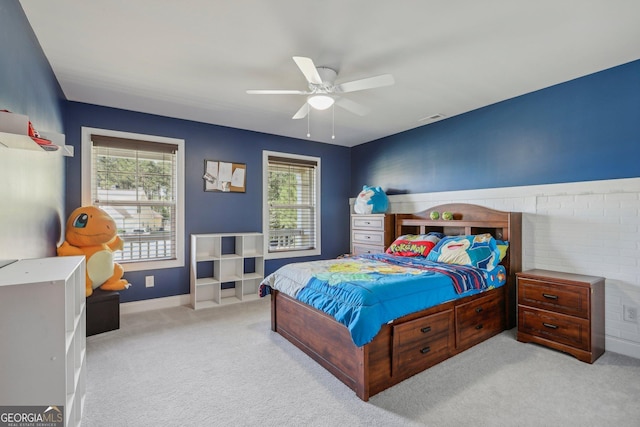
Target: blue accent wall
(582, 130)
(27, 83)
(214, 212)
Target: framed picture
(225, 176)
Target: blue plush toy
(371, 200)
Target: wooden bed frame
(415, 342)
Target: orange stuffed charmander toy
(92, 232)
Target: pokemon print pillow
(480, 251)
(411, 245)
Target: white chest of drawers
(371, 233)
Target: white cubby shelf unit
(43, 338)
(226, 268)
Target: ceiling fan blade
(353, 106)
(276, 92)
(302, 112)
(309, 70)
(368, 83)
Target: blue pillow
(480, 251)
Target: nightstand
(562, 311)
(371, 233)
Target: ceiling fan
(323, 92)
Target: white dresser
(371, 233)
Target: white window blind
(134, 181)
(292, 203)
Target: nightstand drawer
(566, 299)
(368, 237)
(421, 343)
(368, 222)
(568, 330)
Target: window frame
(86, 175)
(265, 206)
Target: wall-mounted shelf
(22, 142)
(14, 133)
(226, 268)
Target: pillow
(414, 245)
(503, 245)
(480, 251)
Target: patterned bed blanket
(367, 291)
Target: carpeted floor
(224, 367)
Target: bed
(371, 361)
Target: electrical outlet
(630, 314)
(148, 281)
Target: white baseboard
(625, 347)
(154, 304)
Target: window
(291, 216)
(138, 180)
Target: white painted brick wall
(588, 228)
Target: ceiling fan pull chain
(333, 121)
(308, 114)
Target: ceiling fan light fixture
(320, 102)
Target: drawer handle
(425, 329)
(479, 327)
(549, 296)
(367, 237)
(479, 310)
(549, 325)
(425, 350)
(367, 223)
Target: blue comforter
(365, 292)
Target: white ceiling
(194, 59)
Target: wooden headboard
(474, 219)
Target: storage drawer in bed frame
(478, 320)
(421, 343)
